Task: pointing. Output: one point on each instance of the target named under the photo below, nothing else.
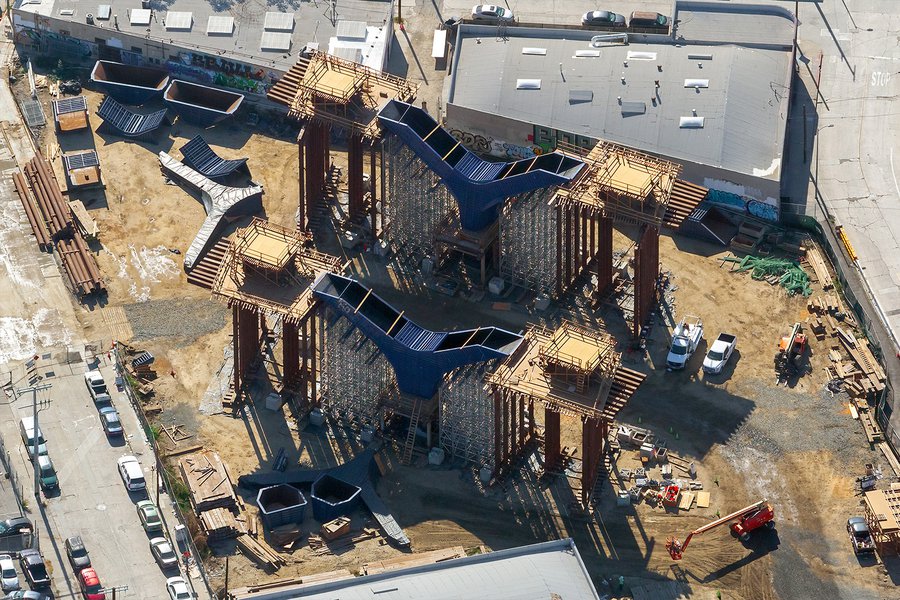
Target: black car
(603, 17)
(77, 553)
(33, 567)
(15, 526)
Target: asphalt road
(93, 501)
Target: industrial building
(536, 572)
(241, 46)
(713, 96)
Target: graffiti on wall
(216, 70)
(482, 144)
(746, 204)
(52, 42)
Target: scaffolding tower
(416, 203)
(529, 241)
(355, 374)
(467, 414)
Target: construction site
(443, 354)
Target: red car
(90, 585)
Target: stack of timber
(819, 267)
(287, 536)
(220, 524)
(260, 552)
(51, 219)
(321, 546)
(212, 495)
(415, 560)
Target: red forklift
(743, 522)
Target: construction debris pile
(670, 490)
(787, 273)
(51, 221)
(854, 369)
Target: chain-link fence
(161, 472)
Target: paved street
(93, 501)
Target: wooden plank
(686, 500)
(702, 499)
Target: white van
(26, 429)
(132, 474)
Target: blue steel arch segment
(479, 186)
(420, 357)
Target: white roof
(537, 572)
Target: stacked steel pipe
(34, 218)
(52, 220)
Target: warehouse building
(241, 46)
(712, 96)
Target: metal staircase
(411, 435)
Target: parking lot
(92, 501)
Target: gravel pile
(184, 319)
(784, 422)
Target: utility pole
(36, 437)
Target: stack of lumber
(286, 536)
(414, 560)
(868, 376)
(320, 546)
(260, 552)
(220, 524)
(819, 267)
(208, 481)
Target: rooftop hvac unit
(89, 19)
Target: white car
(491, 12)
(131, 473)
(97, 387)
(178, 589)
(719, 353)
(9, 579)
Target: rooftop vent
(220, 25)
(140, 16)
(691, 122)
(580, 96)
(179, 20)
(528, 84)
(696, 83)
(279, 21)
(633, 108)
(587, 53)
(535, 51)
(700, 56)
(104, 11)
(632, 55)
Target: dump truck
(719, 353)
(685, 340)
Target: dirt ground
(749, 439)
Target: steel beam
(552, 447)
(604, 255)
(355, 166)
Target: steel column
(523, 437)
(236, 348)
(604, 255)
(302, 217)
(559, 251)
(355, 166)
(552, 447)
(513, 426)
(646, 272)
(498, 440)
(290, 347)
(373, 209)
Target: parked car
(15, 526)
(9, 578)
(163, 553)
(860, 537)
(719, 353)
(648, 20)
(47, 474)
(33, 567)
(603, 18)
(97, 387)
(77, 554)
(26, 595)
(685, 340)
(491, 12)
(131, 473)
(89, 582)
(178, 589)
(149, 516)
(109, 418)
(26, 429)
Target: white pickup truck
(685, 340)
(97, 387)
(719, 353)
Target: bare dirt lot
(796, 446)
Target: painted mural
(746, 204)
(216, 70)
(482, 144)
(54, 43)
